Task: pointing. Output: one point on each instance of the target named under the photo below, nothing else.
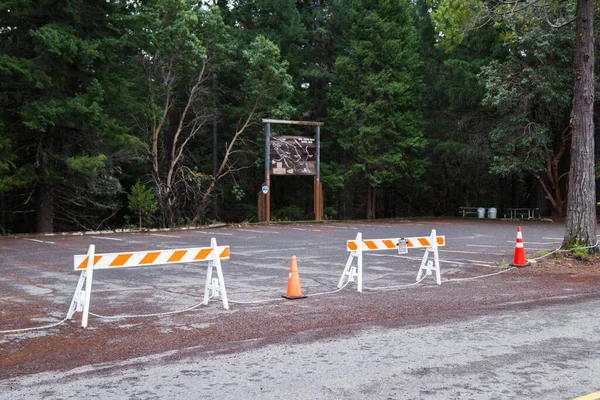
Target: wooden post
(267, 183)
(318, 188)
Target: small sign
(265, 189)
(402, 247)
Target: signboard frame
(264, 203)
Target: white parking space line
(39, 241)
(171, 236)
(106, 238)
(304, 229)
(341, 227)
(216, 233)
(253, 231)
(463, 262)
(458, 251)
(481, 245)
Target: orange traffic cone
(294, 291)
(519, 260)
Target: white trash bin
(481, 212)
(492, 213)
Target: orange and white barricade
(88, 263)
(359, 245)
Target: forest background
(148, 113)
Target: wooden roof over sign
(282, 121)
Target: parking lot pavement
(37, 280)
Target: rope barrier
(34, 328)
(162, 314)
(559, 250)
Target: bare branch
(560, 25)
(175, 151)
(517, 9)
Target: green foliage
(266, 79)
(376, 90)
(454, 19)
(6, 165)
(579, 251)
(519, 147)
(530, 93)
(290, 213)
(422, 99)
(86, 165)
(143, 203)
(238, 192)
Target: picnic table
(523, 212)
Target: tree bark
(44, 208)
(44, 196)
(581, 205)
(370, 202)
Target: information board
(293, 155)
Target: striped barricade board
(148, 258)
(391, 244)
(88, 263)
(359, 245)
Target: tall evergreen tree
(375, 92)
(56, 57)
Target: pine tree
(56, 69)
(376, 91)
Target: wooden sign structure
(291, 155)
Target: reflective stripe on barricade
(214, 287)
(390, 244)
(148, 258)
(359, 245)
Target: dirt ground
(557, 278)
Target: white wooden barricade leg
(215, 287)
(81, 298)
(351, 272)
(428, 266)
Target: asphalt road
(553, 353)
(550, 352)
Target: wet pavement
(37, 283)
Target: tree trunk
(44, 198)
(581, 204)
(445, 191)
(370, 202)
(167, 204)
(44, 208)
